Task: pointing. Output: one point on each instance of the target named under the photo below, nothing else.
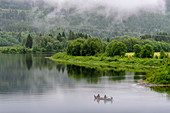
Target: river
(32, 84)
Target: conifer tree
(29, 41)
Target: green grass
(103, 62)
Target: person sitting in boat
(98, 96)
(105, 96)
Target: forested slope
(18, 18)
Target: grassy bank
(159, 76)
(14, 50)
(23, 50)
(108, 63)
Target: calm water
(33, 84)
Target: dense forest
(52, 31)
(39, 17)
(57, 43)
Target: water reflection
(60, 67)
(165, 90)
(105, 101)
(138, 76)
(44, 86)
(22, 73)
(32, 73)
(92, 75)
(28, 61)
(115, 75)
(79, 73)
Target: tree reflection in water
(138, 76)
(93, 75)
(32, 73)
(162, 90)
(28, 61)
(23, 73)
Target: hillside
(40, 17)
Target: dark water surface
(33, 84)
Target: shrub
(147, 51)
(116, 48)
(162, 54)
(137, 49)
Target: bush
(13, 50)
(59, 55)
(116, 48)
(147, 51)
(137, 49)
(156, 57)
(162, 54)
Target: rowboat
(102, 98)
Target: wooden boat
(102, 98)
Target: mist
(93, 13)
(123, 8)
(115, 10)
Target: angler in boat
(103, 98)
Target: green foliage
(75, 47)
(137, 49)
(131, 41)
(82, 47)
(159, 76)
(49, 43)
(162, 54)
(11, 38)
(14, 50)
(116, 48)
(156, 57)
(147, 51)
(91, 47)
(161, 37)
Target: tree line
(78, 43)
(93, 46)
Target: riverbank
(23, 50)
(108, 63)
(144, 83)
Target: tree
(59, 37)
(29, 41)
(50, 35)
(63, 34)
(162, 54)
(147, 51)
(137, 49)
(75, 47)
(91, 47)
(71, 36)
(49, 46)
(116, 48)
(19, 37)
